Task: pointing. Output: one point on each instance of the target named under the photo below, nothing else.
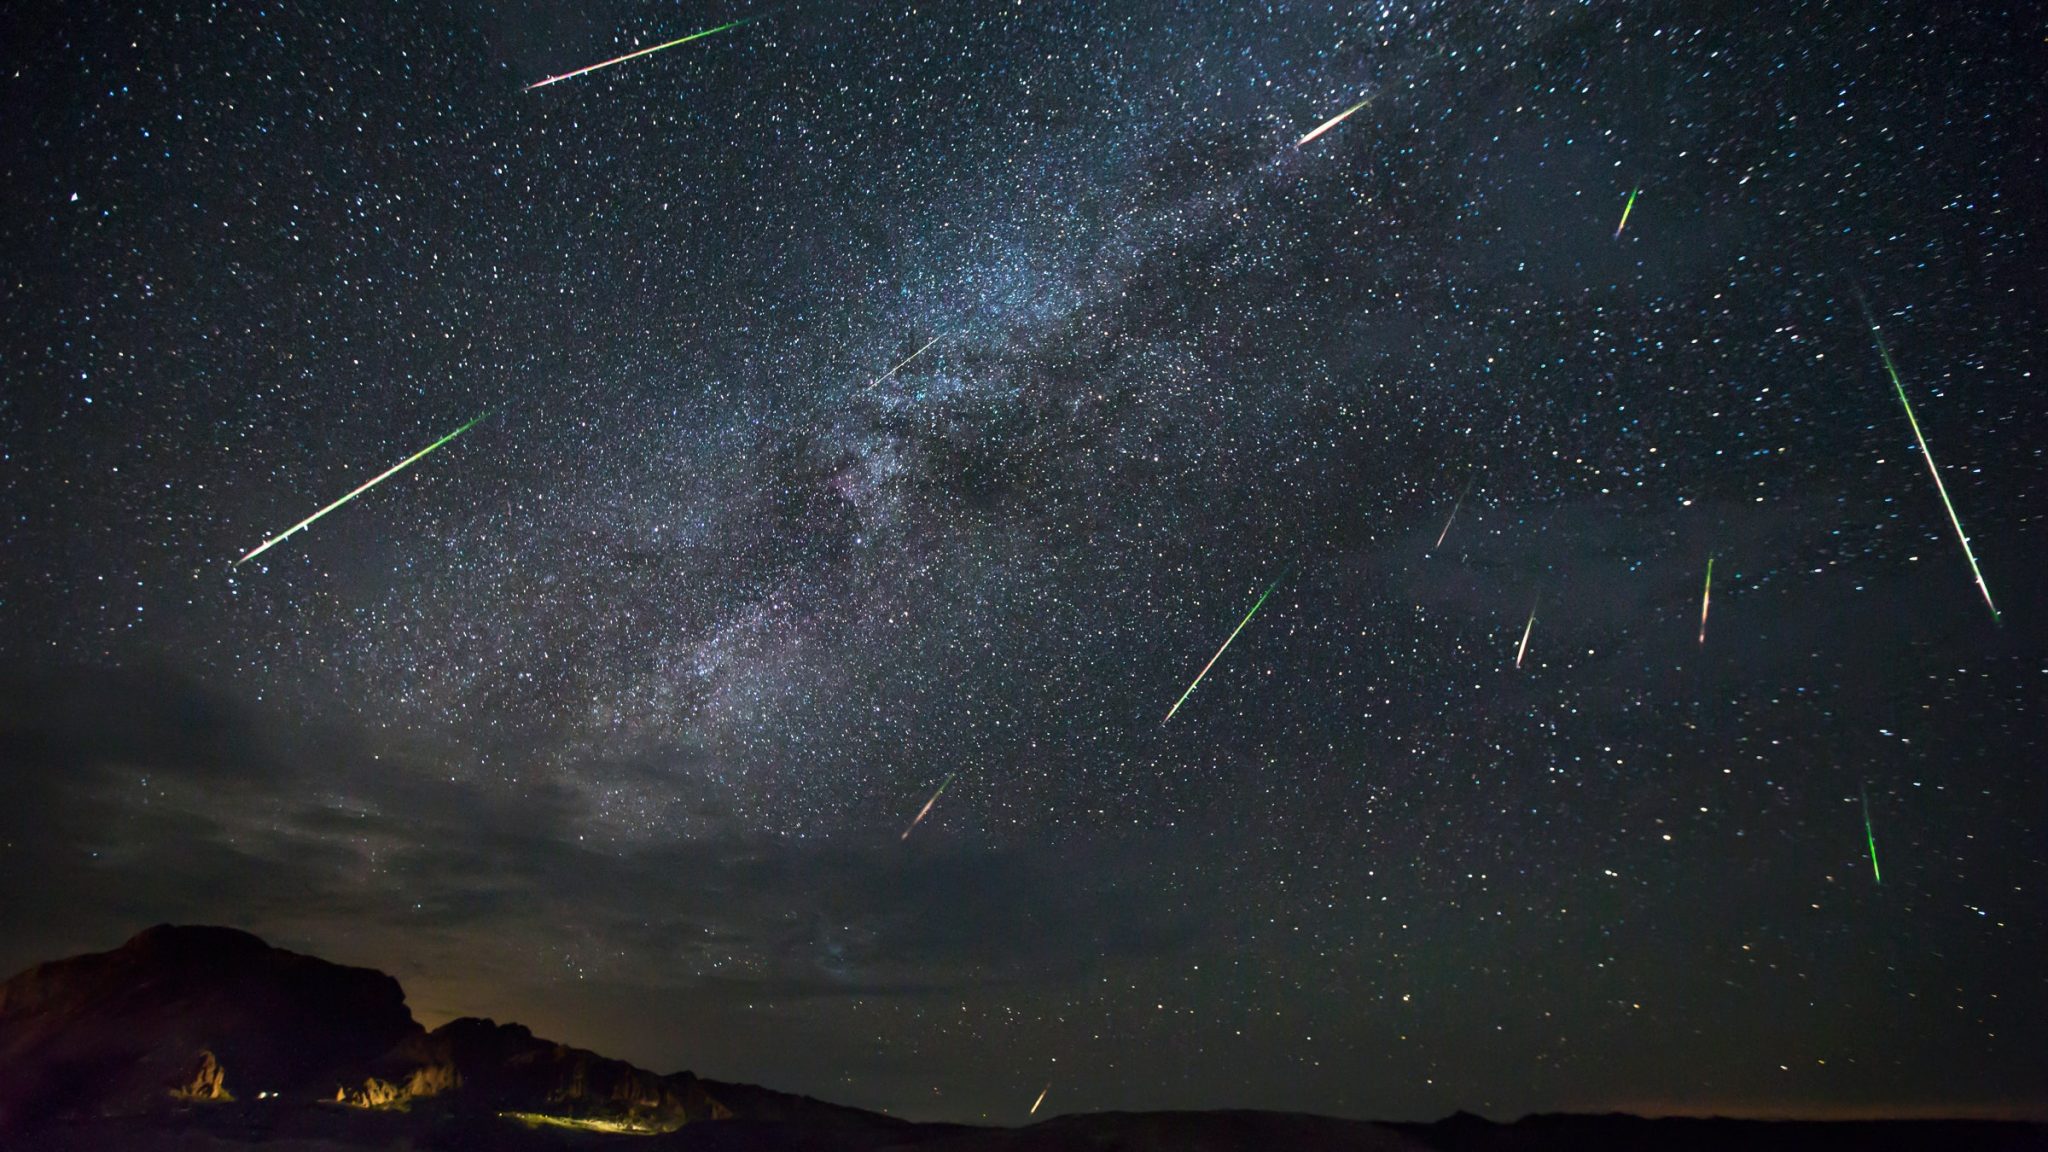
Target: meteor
(1898, 386)
(1624, 212)
(1454, 516)
(926, 810)
(1706, 597)
(394, 470)
(1333, 121)
(1526, 629)
(907, 359)
(641, 52)
(1219, 652)
(1869, 836)
(1040, 1100)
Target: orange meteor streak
(926, 810)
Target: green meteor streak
(641, 52)
(1624, 212)
(1219, 652)
(1899, 387)
(1870, 836)
(401, 466)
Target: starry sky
(609, 715)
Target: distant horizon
(1812, 1112)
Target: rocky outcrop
(480, 1065)
(208, 1081)
(425, 1083)
(193, 1012)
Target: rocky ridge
(179, 1016)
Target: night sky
(608, 716)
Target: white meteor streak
(879, 380)
(1040, 1100)
(1441, 536)
(1526, 629)
(1333, 121)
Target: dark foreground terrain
(210, 1040)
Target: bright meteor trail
(1454, 516)
(906, 360)
(1333, 121)
(641, 52)
(1899, 387)
(1624, 212)
(924, 811)
(1706, 597)
(1526, 629)
(1040, 1100)
(395, 469)
(1869, 836)
(1219, 652)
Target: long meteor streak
(1219, 652)
(926, 810)
(1526, 629)
(1705, 598)
(1899, 387)
(1333, 121)
(1040, 1100)
(1453, 518)
(1625, 210)
(906, 360)
(1869, 836)
(394, 470)
(641, 52)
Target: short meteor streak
(394, 470)
(1040, 1100)
(641, 52)
(1219, 652)
(1706, 597)
(1624, 212)
(1454, 516)
(879, 380)
(1898, 386)
(1526, 629)
(926, 810)
(1333, 121)
(1869, 836)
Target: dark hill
(186, 1025)
(206, 1012)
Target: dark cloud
(158, 799)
